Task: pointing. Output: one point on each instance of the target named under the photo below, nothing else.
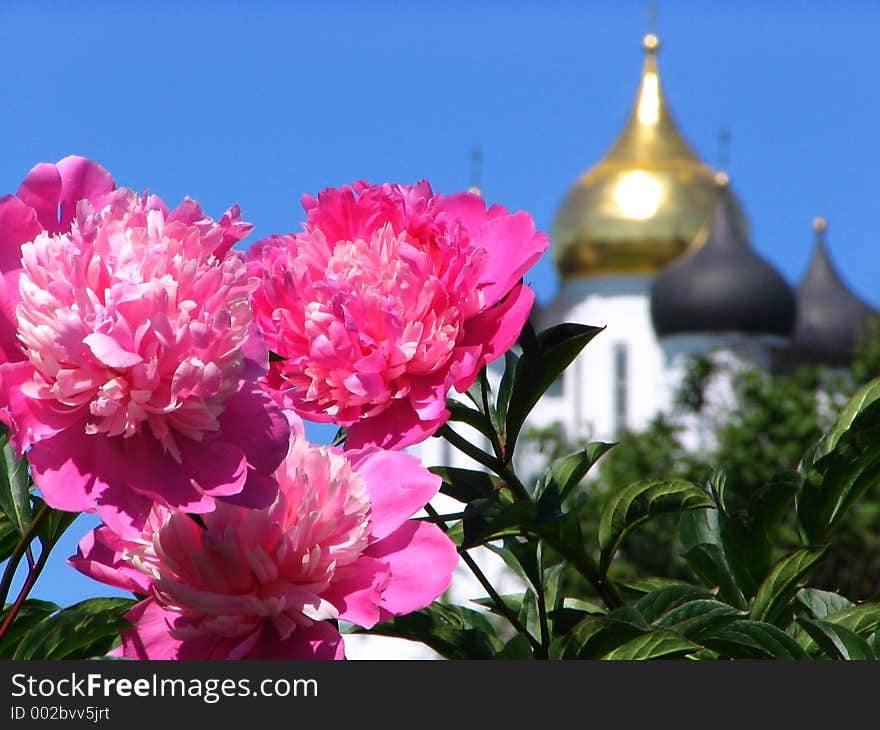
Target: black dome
(724, 286)
(830, 318)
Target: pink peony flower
(134, 378)
(46, 201)
(390, 297)
(265, 584)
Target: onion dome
(830, 317)
(645, 202)
(722, 286)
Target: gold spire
(643, 203)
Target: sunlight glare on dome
(638, 195)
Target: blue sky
(260, 102)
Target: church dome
(645, 202)
(830, 316)
(722, 286)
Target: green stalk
(490, 462)
(502, 607)
(20, 549)
(33, 574)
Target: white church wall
(590, 406)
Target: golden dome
(645, 202)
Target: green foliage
(85, 630)
(639, 502)
(763, 442)
(843, 465)
(743, 542)
(452, 631)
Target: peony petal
(399, 486)
(32, 419)
(164, 481)
(511, 241)
(498, 328)
(256, 355)
(41, 191)
(217, 468)
(357, 593)
(10, 346)
(258, 492)
(421, 558)
(99, 556)
(109, 352)
(64, 469)
(124, 511)
(320, 641)
(253, 422)
(81, 179)
(151, 636)
(18, 225)
(397, 427)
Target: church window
(621, 367)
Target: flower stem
(20, 549)
(33, 574)
(600, 583)
(487, 409)
(502, 607)
(481, 457)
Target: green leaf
(9, 537)
(699, 527)
(596, 636)
(862, 619)
(81, 631)
(54, 525)
(564, 534)
(581, 605)
(553, 582)
(781, 584)
(452, 631)
(637, 503)
(748, 536)
(822, 603)
(754, 640)
(542, 361)
(513, 602)
(657, 644)
(858, 404)
(707, 560)
(563, 619)
(528, 614)
(642, 586)
(505, 387)
(15, 488)
(700, 618)
(565, 474)
(517, 648)
(837, 641)
(464, 485)
(653, 605)
(31, 613)
(340, 436)
(522, 559)
(497, 521)
(463, 414)
(842, 466)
